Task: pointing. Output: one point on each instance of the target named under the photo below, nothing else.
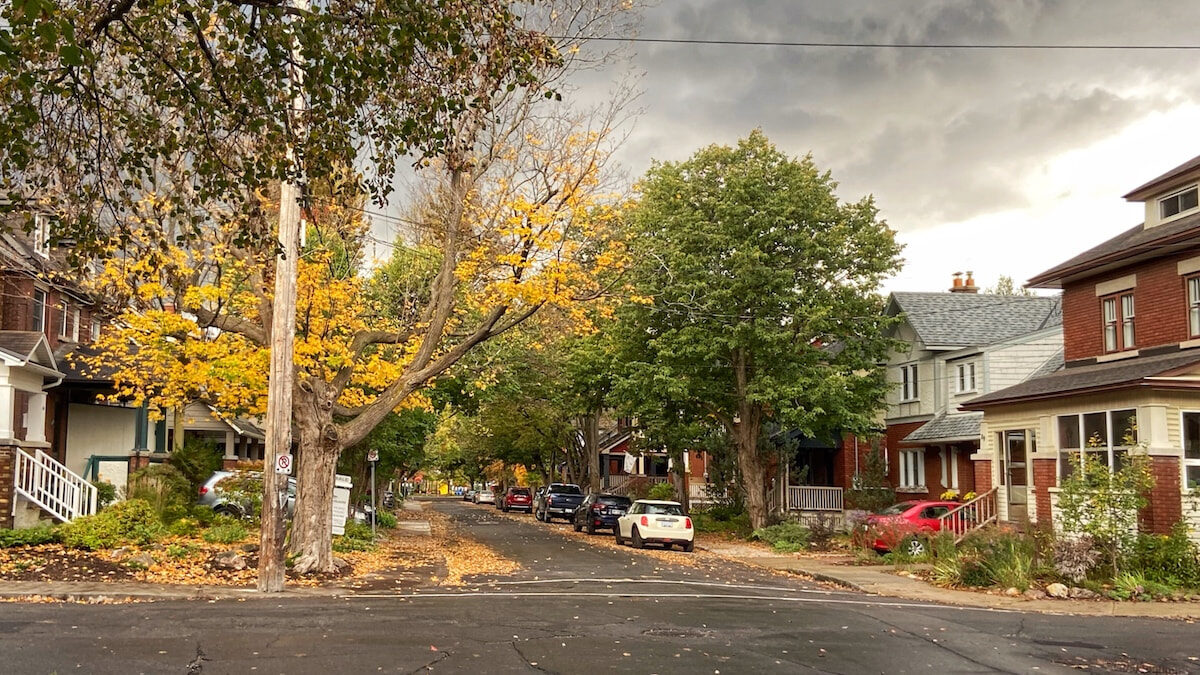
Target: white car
(651, 521)
(485, 497)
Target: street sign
(372, 455)
(283, 464)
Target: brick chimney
(957, 287)
(961, 286)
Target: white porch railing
(53, 487)
(972, 515)
(617, 482)
(814, 498)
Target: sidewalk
(881, 580)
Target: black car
(599, 511)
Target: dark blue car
(600, 511)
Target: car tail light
(645, 521)
(687, 523)
(203, 490)
(599, 508)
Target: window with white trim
(909, 390)
(965, 380)
(1193, 291)
(41, 234)
(39, 311)
(75, 317)
(1181, 202)
(912, 468)
(64, 319)
(1105, 435)
(95, 334)
(1191, 450)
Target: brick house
(956, 345)
(1131, 322)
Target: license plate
(666, 523)
(617, 512)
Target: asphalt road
(582, 606)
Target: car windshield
(613, 501)
(566, 490)
(662, 509)
(897, 509)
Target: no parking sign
(283, 464)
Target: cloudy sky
(996, 161)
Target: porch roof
(947, 427)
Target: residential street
(578, 608)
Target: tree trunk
(177, 437)
(753, 472)
(312, 523)
(591, 449)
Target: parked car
(218, 498)
(659, 522)
(910, 523)
(485, 497)
(517, 499)
(559, 501)
(600, 511)
(469, 496)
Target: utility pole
(282, 375)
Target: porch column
(230, 445)
(8, 398)
(35, 418)
(141, 429)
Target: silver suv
(213, 496)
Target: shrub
(195, 461)
(737, 524)
(226, 531)
(244, 488)
(184, 527)
(106, 493)
(162, 487)
(132, 521)
(1008, 558)
(179, 551)
(871, 490)
(346, 544)
(1075, 557)
(785, 537)
(662, 491)
(43, 534)
(821, 531)
(1172, 559)
(356, 530)
(385, 519)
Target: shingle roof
(70, 361)
(1132, 241)
(946, 426)
(19, 343)
(1083, 378)
(1188, 166)
(967, 319)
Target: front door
(1015, 478)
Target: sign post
(373, 457)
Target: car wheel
(617, 535)
(689, 547)
(537, 515)
(591, 526)
(637, 539)
(575, 524)
(915, 546)
(228, 511)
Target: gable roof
(1101, 376)
(27, 346)
(1163, 181)
(1134, 242)
(968, 319)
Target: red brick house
(1131, 323)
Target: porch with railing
(970, 516)
(51, 486)
(619, 482)
(814, 498)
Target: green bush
(226, 531)
(244, 488)
(346, 544)
(662, 491)
(43, 534)
(106, 493)
(195, 461)
(785, 537)
(1173, 560)
(184, 527)
(738, 524)
(360, 531)
(133, 521)
(163, 487)
(385, 519)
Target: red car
(894, 524)
(517, 498)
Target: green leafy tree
(400, 441)
(1006, 286)
(759, 300)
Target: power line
(887, 45)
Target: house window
(1118, 322)
(908, 383)
(39, 310)
(75, 316)
(64, 320)
(95, 334)
(41, 234)
(1104, 436)
(949, 459)
(1191, 450)
(1193, 286)
(1173, 205)
(966, 378)
(912, 468)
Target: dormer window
(1180, 202)
(41, 234)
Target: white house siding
(98, 430)
(1012, 364)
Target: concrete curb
(133, 592)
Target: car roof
(660, 502)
